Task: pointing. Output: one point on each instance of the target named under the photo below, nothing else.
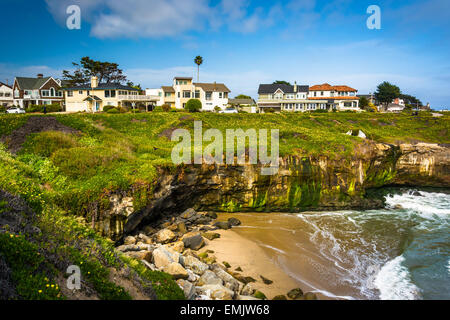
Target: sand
(254, 262)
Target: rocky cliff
(302, 183)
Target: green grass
(61, 175)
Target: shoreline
(246, 254)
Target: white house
(183, 89)
(6, 95)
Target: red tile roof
(328, 87)
(334, 98)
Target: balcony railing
(31, 96)
(138, 98)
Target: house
(339, 98)
(183, 89)
(37, 91)
(395, 107)
(6, 95)
(95, 96)
(283, 97)
(370, 97)
(247, 105)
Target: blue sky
(244, 43)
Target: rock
(128, 247)
(211, 235)
(177, 246)
(149, 265)
(194, 264)
(295, 293)
(129, 240)
(280, 297)
(181, 227)
(310, 296)
(243, 279)
(229, 282)
(417, 194)
(165, 236)
(162, 257)
(192, 276)
(226, 264)
(248, 290)
(222, 225)
(238, 269)
(145, 239)
(260, 295)
(176, 270)
(189, 213)
(209, 278)
(265, 280)
(398, 207)
(149, 230)
(233, 222)
(193, 240)
(173, 227)
(212, 215)
(202, 220)
(166, 224)
(187, 287)
(140, 255)
(216, 292)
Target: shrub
(320, 111)
(45, 143)
(107, 108)
(2, 109)
(194, 105)
(269, 110)
(166, 107)
(113, 111)
(217, 109)
(158, 109)
(55, 107)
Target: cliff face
(302, 183)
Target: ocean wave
(394, 282)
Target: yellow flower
(47, 285)
(52, 285)
(40, 291)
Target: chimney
(94, 82)
(40, 75)
(295, 87)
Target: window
(315, 94)
(321, 93)
(208, 95)
(1, 94)
(52, 92)
(7, 94)
(197, 94)
(179, 94)
(167, 94)
(220, 95)
(45, 93)
(186, 94)
(70, 93)
(28, 92)
(16, 93)
(347, 104)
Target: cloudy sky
(243, 42)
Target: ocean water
(401, 252)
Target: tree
(363, 103)
(386, 92)
(242, 96)
(411, 100)
(194, 105)
(282, 82)
(105, 72)
(135, 86)
(198, 61)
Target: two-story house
(283, 97)
(37, 91)
(183, 89)
(95, 96)
(340, 98)
(6, 95)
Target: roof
(272, 88)
(92, 98)
(328, 87)
(241, 101)
(183, 78)
(334, 98)
(31, 83)
(103, 86)
(216, 87)
(4, 84)
(168, 89)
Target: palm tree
(198, 61)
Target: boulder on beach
(129, 240)
(209, 278)
(280, 297)
(222, 225)
(193, 240)
(216, 292)
(194, 264)
(248, 290)
(189, 213)
(165, 236)
(234, 222)
(211, 235)
(265, 280)
(176, 270)
(163, 257)
(295, 293)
